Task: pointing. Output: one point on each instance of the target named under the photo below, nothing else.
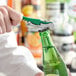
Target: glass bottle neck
(46, 39)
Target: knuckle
(1, 15)
(4, 11)
(4, 6)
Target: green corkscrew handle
(35, 21)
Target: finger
(15, 16)
(6, 19)
(2, 24)
(40, 74)
(0, 30)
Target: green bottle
(53, 64)
(64, 1)
(48, 1)
(67, 1)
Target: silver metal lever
(37, 28)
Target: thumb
(15, 16)
(40, 74)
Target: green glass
(68, 1)
(63, 1)
(53, 64)
(74, 33)
(48, 1)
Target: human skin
(8, 17)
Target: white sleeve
(26, 62)
(15, 60)
(7, 43)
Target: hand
(8, 17)
(40, 74)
